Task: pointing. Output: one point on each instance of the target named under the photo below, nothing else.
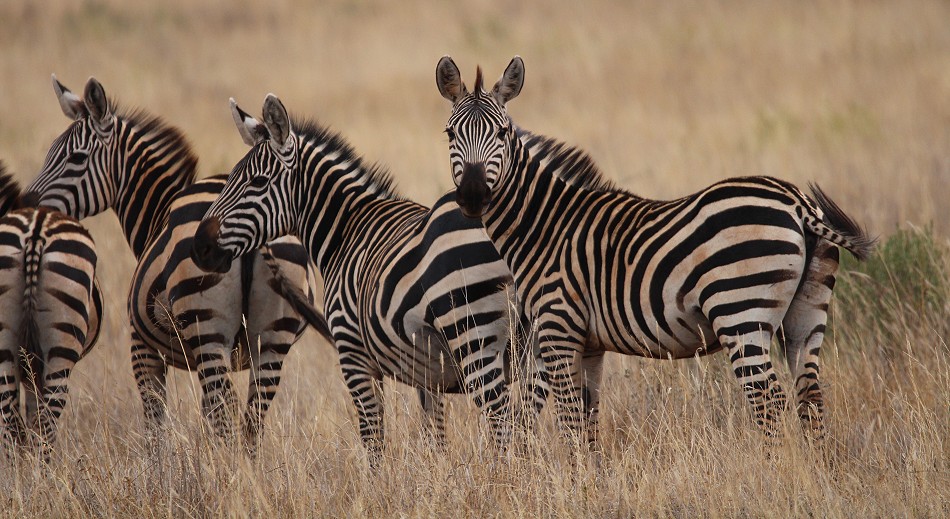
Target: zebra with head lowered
(144, 170)
(412, 293)
(51, 313)
(601, 269)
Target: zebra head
(254, 207)
(481, 136)
(76, 177)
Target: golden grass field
(667, 97)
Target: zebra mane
(9, 191)
(174, 140)
(377, 176)
(568, 163)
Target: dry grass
(667, 97)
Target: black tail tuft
(859, 243)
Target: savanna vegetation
(667, 97)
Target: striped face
(76, 177)
(255, 205)
(480, 133)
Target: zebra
(412, 293)
(144, 170)
(52, 309)
(601, 269)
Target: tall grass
(667, 97)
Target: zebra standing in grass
(413, 293)
(601, 269)
(180, 316)
(51, 313)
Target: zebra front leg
(433, 409)
(263, 382)
(593, 363)
(366, 390)
(562, 355)
(149, 369)
(749, 354)
(803, 331)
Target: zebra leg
(562, 354)
(366, 390)
(483, 372)
(264, 379)
(149, 369)
(13, 426)
(803, 331)
(749, 354)
(593, 363)
(433, 408)
(528, 369)
(218, 400)
(59, 364)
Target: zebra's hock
(205, 252)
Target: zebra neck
(336, 204)
(151, 177)
(510, 217)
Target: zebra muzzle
(473, 194)
(205, 252)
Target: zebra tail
(839, 228)
(29, 328)
(297, 299)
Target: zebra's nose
(473, 194)
(205, 252)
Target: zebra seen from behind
(601, 269)
(412, 293)
(245, 317)
(51, 313)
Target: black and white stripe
(601, 269)
(412, 293)
(144, 170)
(51, 311)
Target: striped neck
(337, 194)
(153, 166)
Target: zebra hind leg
(149, 369)
(803, 331)
(14, 429)
(749, 354)
(433, 408)
(263, 383)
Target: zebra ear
(96, 102)
(251, 130)
(277, 121)
(71, 104)
(449, 80)
(509, 85)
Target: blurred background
(666, 96)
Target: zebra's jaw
(205, 252)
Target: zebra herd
(534, 265)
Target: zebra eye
(502, 132)
(451, 133)
(258, 181)
(77, 158)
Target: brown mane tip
(478, 78)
